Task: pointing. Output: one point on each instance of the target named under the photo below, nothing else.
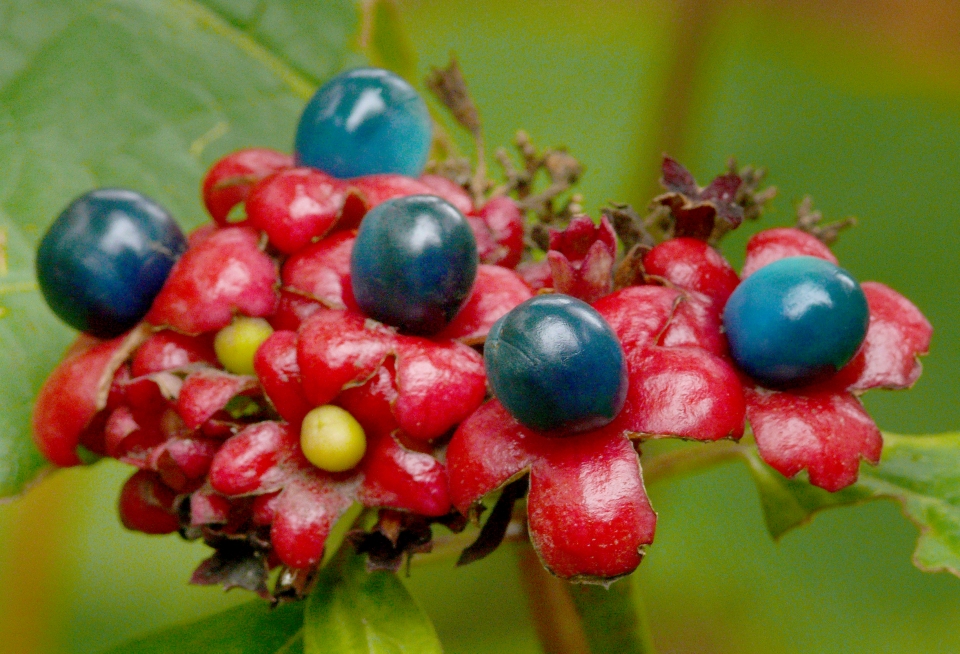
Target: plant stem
(552, 610)
(691, 459)
(583, 618)
(693, 23)
(612, 618)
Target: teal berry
(556, 365)
(362, 122)
(105, 259)
(413, 263)
(796, 321)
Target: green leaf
(144, 94)
(921, 472)
(352, 611)
(789, 503)
(252, 628)
(385, 41)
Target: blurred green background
(855, 102)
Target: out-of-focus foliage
(920, 472)
(139, 94)
(253, 628)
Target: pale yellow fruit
(236, 343)
(332, 439)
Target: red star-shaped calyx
(301, 502)
(589, 516)
(822, 428)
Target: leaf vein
(290, 641)
(301, 83)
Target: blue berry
(105, 258)
(796, 321)
(362, 122)
(413, 263)
(555, 364)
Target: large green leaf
(921, 472)
(252, 628)
(352, 611)
(137, 93)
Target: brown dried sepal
(697, 210)
(451, 89)
(495, 528)
(631, 228)
(749, 196)
(398, 535)
(293, 584)
(561, 168)
(236, 563)
(809, 220)
(630, 271)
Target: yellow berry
(236, 343)
(332, 439)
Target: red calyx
(70, 398)
(581, 258)
(229, 180)
(450, 191)
(693, 264)
(296, 206)
(364, 193)
(773, 244)
(166, 350)
(498, 228)
(279, 373)
(223, 275)
(146, 504)
(495, 292)
(321, 271)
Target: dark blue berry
(362, 122)
(796, 321)
(105, 258)
(413, 263)
(555, 364)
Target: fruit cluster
(334, 337)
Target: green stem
(552, 610)
(691, 459)
(583, 618)
(613, 618)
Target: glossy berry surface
(413, 263)
(237, 343)
(795, 321)
(332, 439)
(105, 259)
(555, 363)
(362, 122)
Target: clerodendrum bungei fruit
(555, 363)
(105, 259)
(796, 320)
(362, 122)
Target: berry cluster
(333, 337)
